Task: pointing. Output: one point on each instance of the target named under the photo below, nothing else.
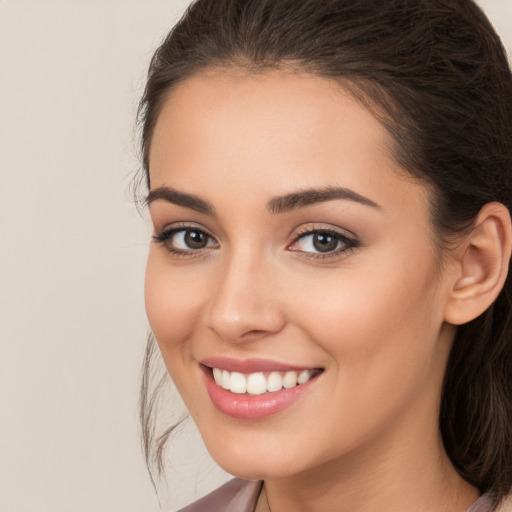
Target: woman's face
(292, 254)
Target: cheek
(377, 322)
(381, 332)
(173, 298)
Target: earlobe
(482, 265)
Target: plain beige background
(72, 255)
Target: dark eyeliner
(350, 244)
(166, 233)
(163, 236)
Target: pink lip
(252, 407)
(250, 365)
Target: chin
(255, 470)
(252, 462)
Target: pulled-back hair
(436, 76)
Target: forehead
(274, 130)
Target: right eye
(185, 240)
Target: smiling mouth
(259, 383)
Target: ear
(481, 265)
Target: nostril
(254, 332)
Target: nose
(243, 306)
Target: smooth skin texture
(372, 312)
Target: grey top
(239, 495)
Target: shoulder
(484, 504)
(237, 495)
(506, 506)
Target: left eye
(320, 242)
(190, 239)
(187, 239)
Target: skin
(365, 436)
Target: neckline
(482, 504)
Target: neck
(397, 475)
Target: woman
(329, 183)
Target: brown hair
(435, 74)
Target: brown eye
(325, 242)
(185, 240)
(195, 239)
(322, 242)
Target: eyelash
(349, 244)
(164, 237)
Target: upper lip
(251, 365)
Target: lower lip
(253, 407)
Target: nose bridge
(243, 304)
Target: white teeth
(225, 379)
(274, 382)
(290, 380)
(303, 377)
(238, 383)
(257, 383)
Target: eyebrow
(180, 199)
(309, 197)
(276, 205)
